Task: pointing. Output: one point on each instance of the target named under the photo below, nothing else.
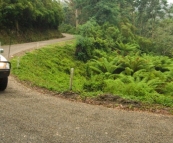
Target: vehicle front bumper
(5, 72)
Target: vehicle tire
(3, 83)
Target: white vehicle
(5, 67)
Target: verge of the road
(28, 116)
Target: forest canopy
(25, 14)
(147, 23)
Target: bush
(84, 48)
(66, 28)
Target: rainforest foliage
(144, 78)
(122, 47)
(127, 46)
(20, 17)
(22, 14)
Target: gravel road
(29, 116)
(14, 49)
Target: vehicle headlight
(4, 65)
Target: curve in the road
(30, 116)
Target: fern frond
(95, 69)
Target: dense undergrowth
(142, 78)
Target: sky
(170, 1)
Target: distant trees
(163, 37)
(22, 14)
(138, 22)
(100, 10)
(148, 13)
(143, 15)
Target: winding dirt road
(28, 116)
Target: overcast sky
(170, 1)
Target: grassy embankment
(49, 68)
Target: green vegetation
(50, 68)
(29, 35)
(28, 20)
(142, 78)
(122, 48)
(22, 14)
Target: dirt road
(28, 116)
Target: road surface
(14, 49)
(29, 116)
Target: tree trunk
(76, 15)
(17, 27)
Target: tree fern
(134, 63)
(163, 63)
(105, 65)
(126, 48)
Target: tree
(18, 14)
(69, 7)
(102, 11)
(163, 38)
(148, 12)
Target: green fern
(126, 48)
(134, 63)
(105, 65)
(160, 63)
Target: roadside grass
(49, 68)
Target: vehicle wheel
(3, 83)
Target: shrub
(84, 48)
(95, 83)
(66, 28)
